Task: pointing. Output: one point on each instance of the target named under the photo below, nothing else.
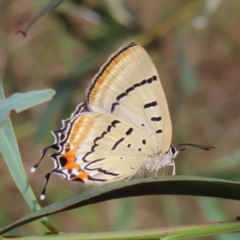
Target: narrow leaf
(10, 152)
(22, 101)
(172, 185)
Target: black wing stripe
(159, 131)
(129, 131)
(117, 143)
(156, 119)
(114, 106)
(151, 104)
(130, 89)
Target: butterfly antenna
(44, 151)
(196, 146)
(43, 194)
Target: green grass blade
(10, 152)
(171, 185)
(203, 230)
(22, 101)
(124, 215)
(167, 233)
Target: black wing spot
(144, 82)
(98, 138)
(117, 143)
(149, 80)
(129, 90)
(154, 78)
(121, 96)
(93, 147)
(139, 149)
(156, 119)
(129, 131)
(114, 106)
(62, 136)
(63, 161)
(109, 128)
(143, 141)
(159, 131)
(114, 123)
(151, 104)
(103, 134)
(137, 85)
(129, 145)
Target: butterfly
(121, 130)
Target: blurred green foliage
(195, 46)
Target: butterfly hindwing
(102, 147)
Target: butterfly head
(173, 152)
(167, 160)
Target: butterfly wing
(60, 135)
(102, 148)
(128, 86)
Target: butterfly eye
(174, 151)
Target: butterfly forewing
(128, 86)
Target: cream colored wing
(60, 135)
(128, 86)
(102, 148)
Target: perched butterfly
(122, 130)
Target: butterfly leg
(174, 168)
(172, 163)
(156, 171)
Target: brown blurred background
(195, 45)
